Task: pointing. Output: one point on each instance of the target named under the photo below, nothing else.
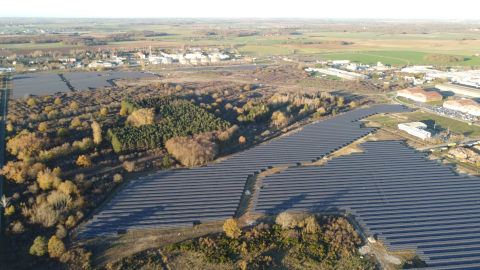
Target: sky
(372, 9)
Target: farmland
(396, 57)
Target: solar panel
(180, 194)
(409, 203)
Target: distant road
(249, 67)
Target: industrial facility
(459, 89)
(420, 95)
(416, 129)
(339, 73)
(465, 105)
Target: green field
(444, 122)
(397, 57)
(380, 36)
(265, 50)
(436, 103)
(404, 100)
(386, 120)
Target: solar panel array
(38, 84)
(180, 198)
(410, 203)
(89, 80)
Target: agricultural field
(263, 50)
(397, 57)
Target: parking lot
(454, 114)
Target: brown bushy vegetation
(195, 149)
(443, 58)
(310, 241)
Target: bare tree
(285, 220)
(5, 202)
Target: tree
(74, 105)
(76, 122)
(123, 112)
(61, 232)
(63, 133)
(104, 111)
(56, 247)
(97, 133)
(39, 247)
(285, 220)
(84, 160)
(42, 126)
(353, 104)
(32, 102)
(67, 187)
(247, 87)
(9, 127)
(178, 87)
(341, 100)
(242, 140)
(58, 101)
(166, 162)
(231, 229)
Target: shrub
(9, 127)
(353, 104)
(76, 122)
(58, 101)
(117, 178)
(193, 150)
(67, 187)
(32, 102)
(9, 210)
(61, 232)
(104, 111)
(123, 112)
(43, 126)
(178, 87)
(242, 140)
(39, 247)
(84, 160)
(246, 88)
(45, 215)
(56, 247)
(231, 229)
(142, 117)
(129, 166)
(74, 105)
(46, 179)
(97, 133)
(285, 220)
(18, 228)
(166, 162)
(63, 133)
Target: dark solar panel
(212, 193)
(409, 203)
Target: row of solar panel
(408, 202)
(224, 181)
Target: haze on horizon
(369, 9)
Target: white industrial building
(339, 73)
(340, 62)
(416, 129)
(459, 89)
(464, 105)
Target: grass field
(436, 103)
(445, 122)
(397, 57)
(386, 120)
(264, 50)
(380, 36)
(404, 100)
